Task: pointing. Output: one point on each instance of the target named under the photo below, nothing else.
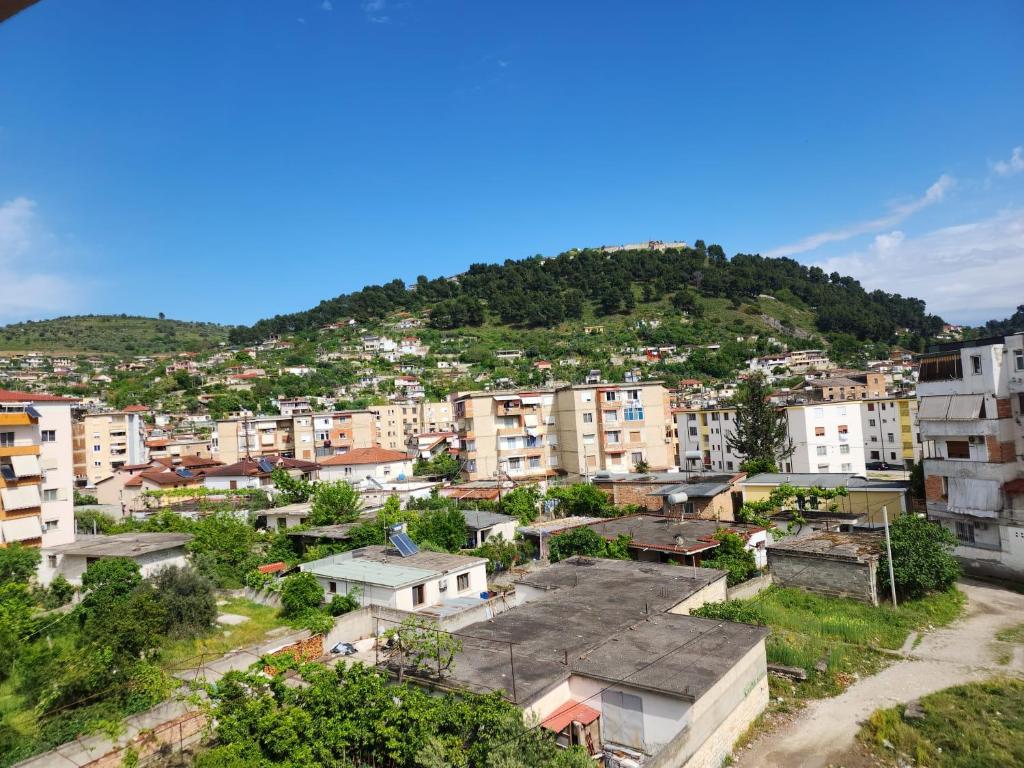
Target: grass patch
(221, 639)
(1011, 635)
(967, 726)
(835, 640)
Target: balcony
(510, 431)
(15, 420)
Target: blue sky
(235, 159)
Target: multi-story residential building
(826, 437)
(255, 436)
(399, 423)
(110, 440)
(613, 427)
(971, 411)
(36, 474)
(572, 430)
(891, 431)
(305, 436)
(853, 386)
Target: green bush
(300, 593)
(342, 604)
(922, 557)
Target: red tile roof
(136, 408)
(570, 712)
(365, 456)
(272, 567)
(13, 396)
(165, 477)
(250, 467)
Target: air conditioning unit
(976, 440)
(442, 584)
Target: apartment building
(36, 471)
(399, 423)
(109, 440)
(853, 386)
(254, 436)
(891, 431)
(511, 434)
(613, 427)
(826, 436)
(971, 411)
(571, 430)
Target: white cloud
(1009, 167)
(373, 10)
(28, 291)
(327, 5)
(966, 273)
(898, 213)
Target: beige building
(36, 475)
(107, 441)
(399, 423)
(571, 430)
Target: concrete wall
(715, 592)
(835, 578)
(73, 566)
(719, 716)
(751, 587)
(663, 716)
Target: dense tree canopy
(541, 292)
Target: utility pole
(888, 553)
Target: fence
(749, 588)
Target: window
(965, 532)
(976, 365)
(332, 587)
(958, 449)
(588, 439)
(50, 494)
(634, 413)
(714, 417)
(387, 470)
(613, 438)
(871, 406)
(588, 418)
(822, 450)
(515, 463)
(871, 423)
(889, 437)
(843, 429)
(842, 410)
(725, 416)
(348, 470)
(1018, 359)
(419, 595)
(611, 417)
(51, 560)
(846, 468)
(875, 455)
(609, 397)
(97, 463)
(819, 431)
(535, 462)
(892, 455)
(49, 435)
(587, 397)
(844, 448)
(6, 438)
(634, 437)
(823, 467)
(462, 582)
(728, 465)
(97, 448)
(636, 457)
(693, 431)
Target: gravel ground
(822, 734)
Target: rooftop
(365, 456)
(386, 567)
(660, 478)
(825, 480)
(560, 524)
(478, 519)
(616, 624)
(122, 544)
(669, 534)
(833, 545)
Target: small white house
(413, 583)
(152, 551)
(378, 464)
(482, 525)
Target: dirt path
(823, 733)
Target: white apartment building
(971, 411)
(36, 469)
(111, 439)
(827, 437)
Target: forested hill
(121, 335)
(543, 292)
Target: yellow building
(862, 505)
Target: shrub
(733, 557)
(922, 557)
(188, 600)
(342, 604)
(300, 593)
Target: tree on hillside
(336, 502)
(922, 557)
(761, 430)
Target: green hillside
(120, 335)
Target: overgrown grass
(1013, 634)
(968, 726)
(222, 638)
(849, 638)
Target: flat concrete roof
(693, 490)
(658, 532)
(832, 545)
(825, 480)
(438, 562)
(363, 571)
(586, 603)
(289, 510)
(338, 531)
(659, 478)
(122, 544)
(548, 527)
(478, 519)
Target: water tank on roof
(679, 497)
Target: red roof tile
(272, 567)
(365, 456)
(13, 396)
(570, 712)
(136, 408)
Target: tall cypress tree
(761, 434)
